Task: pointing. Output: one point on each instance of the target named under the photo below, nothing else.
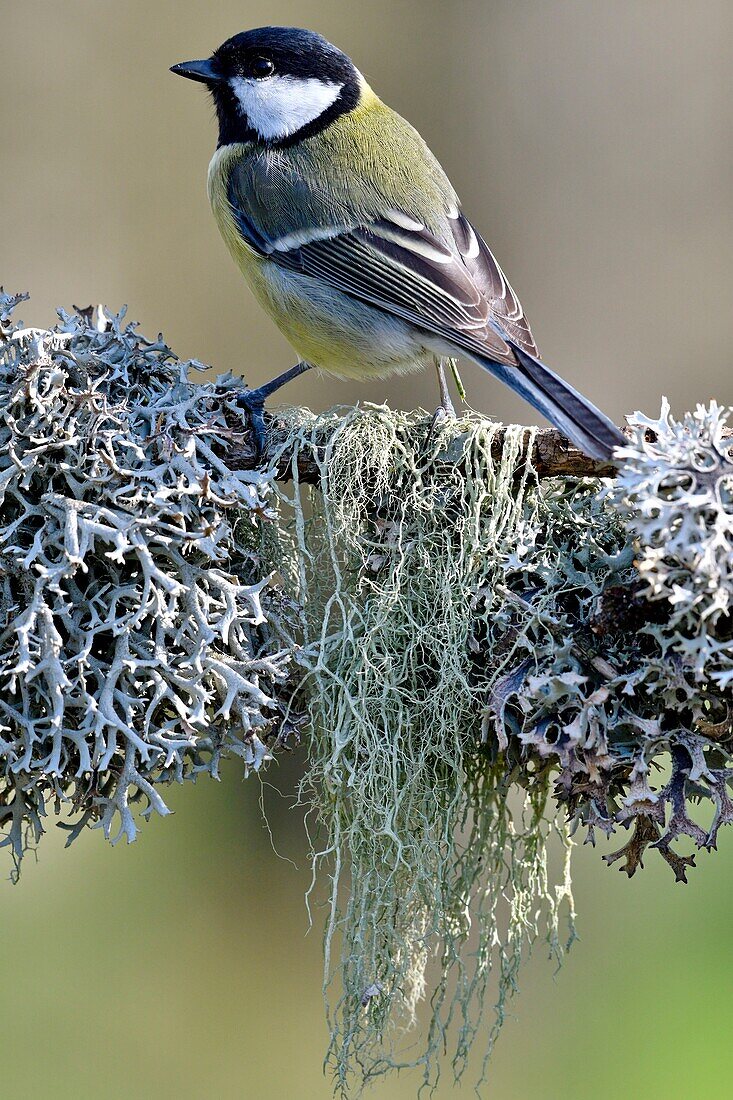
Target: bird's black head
(276, 85)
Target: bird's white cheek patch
(281, 105)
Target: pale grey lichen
(438, 863)
(472, 645)
(137, 643)
(675, 491)
(619, 635)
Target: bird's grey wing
(492, 282)
(442, 282)
(407, 272)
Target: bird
(351, 236)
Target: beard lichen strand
(422, 845)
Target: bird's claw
(253, 402)
(444, 412)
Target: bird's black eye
(260, 67)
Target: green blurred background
(592, 144)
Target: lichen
(138, 629)
(484, 640)
(472, 648)
(675, 493)
(438, 863)
(621, 641)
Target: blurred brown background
(592, 145)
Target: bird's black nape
(275, 51)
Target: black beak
(204, 71)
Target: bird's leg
(254, 402)
(457, 379)
(446, 405)
(445, 410)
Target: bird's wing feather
(451, 287)
(492, 282)
(412, 276)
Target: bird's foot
(446, 409)
(253, 402)
(444, 412)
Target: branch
(553, 455)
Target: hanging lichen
(478, 633)
(401, 571)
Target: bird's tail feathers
(571, 413)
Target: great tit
(351, 236)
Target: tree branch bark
(552, 455)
